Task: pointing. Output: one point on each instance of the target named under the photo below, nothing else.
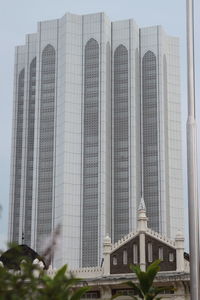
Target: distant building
(96, 122)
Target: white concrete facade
(166, 48)
(69, 36)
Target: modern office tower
(96, 125)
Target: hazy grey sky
(20, 17)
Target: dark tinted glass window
(90, 155)
(150, 139)
(121, 153)
(46, 145)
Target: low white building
(142, 248)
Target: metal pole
(193, 207)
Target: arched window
(120, 144)
(90, 155)
(171, 257)
(114, 260)
(18, 155)
(125, 258)
(30, 151)
(150, 138)
(150, 252)
(135, 253)
(46, 144)
(160, 253)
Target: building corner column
(142, 227)
(179, 242)
(107, 246)
(106, 292)
(142, 252)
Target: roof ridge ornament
(142, 217)
(142, 205)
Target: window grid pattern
(46, 145)
(90, 155)
(30, 150)
(125, 292)
(150, 139)
(121, 163)
(91, 295)
(18, 156)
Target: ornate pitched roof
(13, 257)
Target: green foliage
(32, 283)
(145, 289)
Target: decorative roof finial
(142, 217)
(142, 205)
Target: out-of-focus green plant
(145, 288)
(28, 281)
(32, 282)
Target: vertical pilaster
(142, 252)
(142, 227)
(179, 241)
(107, 246)
(106, 293)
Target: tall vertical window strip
(46, 145)
(30, 150)
(18, 157)
(150, 139)
(121, 165)
(90, 155)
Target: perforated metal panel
(150, 139)
(18, 156)
(46, 145)
(90, 155)
(30, 149)
(121, 163)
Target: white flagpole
(193, 207)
